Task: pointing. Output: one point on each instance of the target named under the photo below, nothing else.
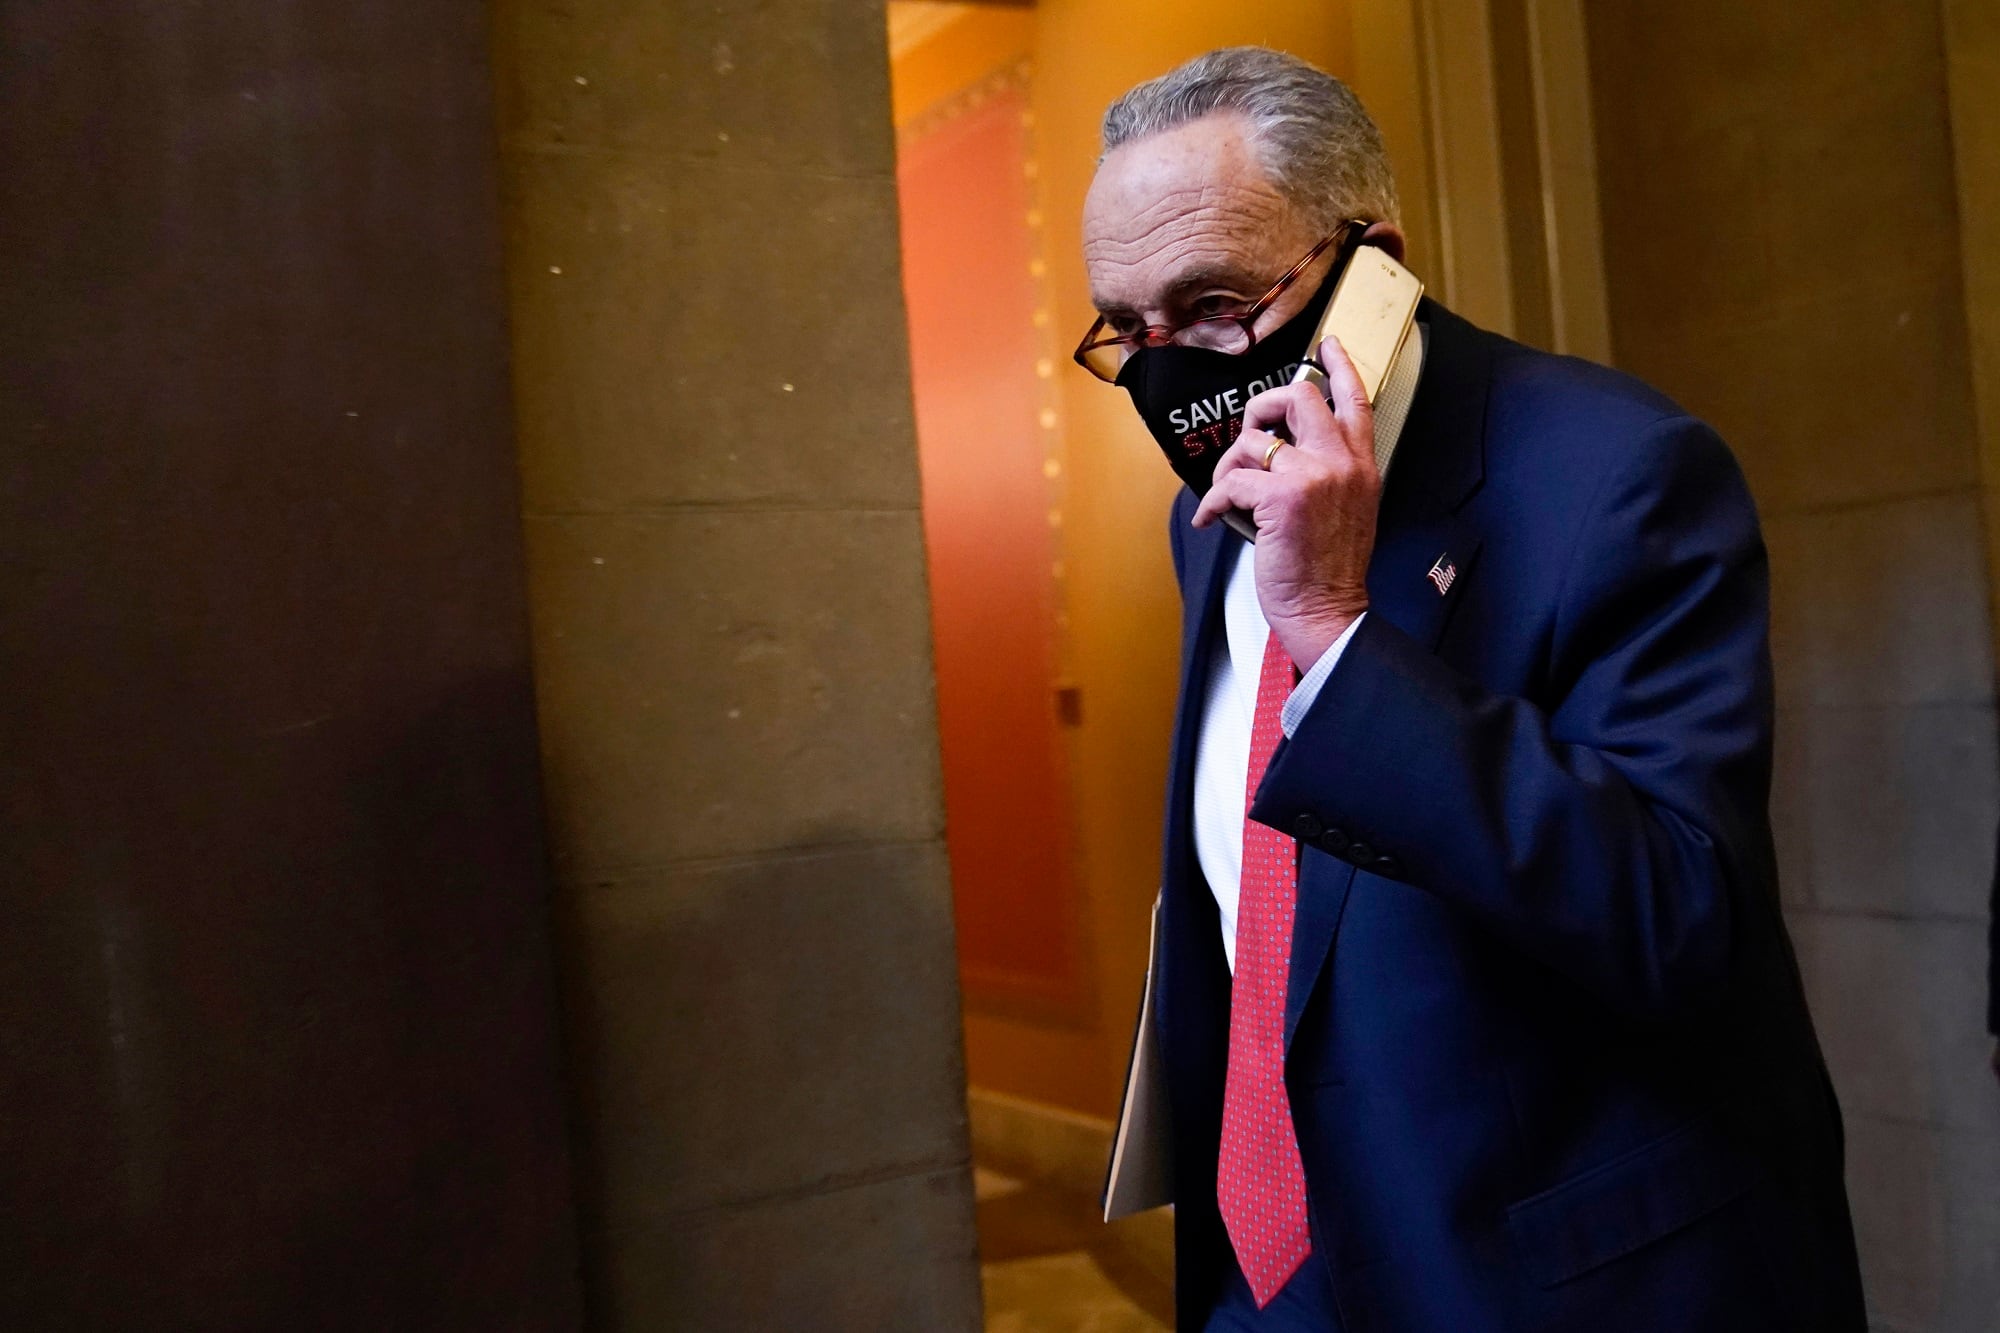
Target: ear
(1388, 237)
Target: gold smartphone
(1371, 312)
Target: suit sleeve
(1616, 837)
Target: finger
(1253, 447)
(1347, 398)
(1242, 488)
(1308, 421)
(1247, 453)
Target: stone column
(277, 1015)
(733, 664)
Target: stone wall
(733, 663)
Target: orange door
(967, 250)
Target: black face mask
(1192, 398)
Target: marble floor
(1051, 1265)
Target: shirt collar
(1399, 390)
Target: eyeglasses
(1104, 353)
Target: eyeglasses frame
(1159, 335)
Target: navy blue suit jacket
(1548, 1055)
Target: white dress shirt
(1222, 755)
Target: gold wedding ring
(1272, 453)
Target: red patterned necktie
(1260, 1181)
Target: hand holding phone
(1316, 504)
(1373, 307)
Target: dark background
(277, 1018)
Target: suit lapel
(1425, 547)
(1425, 550)
(1201, 621)
(1192, 987)
(1201, 593)
(1201, 550)
(1418, 572)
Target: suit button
(1360, 853)
(1307, 826)
(1387, 866)
(1335, 841)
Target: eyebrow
(1204, 275)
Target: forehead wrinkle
(1212, 234)
(1163, 211)
(1212, 202)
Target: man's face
(1185, 224)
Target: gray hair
(1311, 134)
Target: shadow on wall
(302, 970)
(855, 1164)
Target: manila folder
(1141, 1174)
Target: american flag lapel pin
(1443, 574)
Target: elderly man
(1476, 1008)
